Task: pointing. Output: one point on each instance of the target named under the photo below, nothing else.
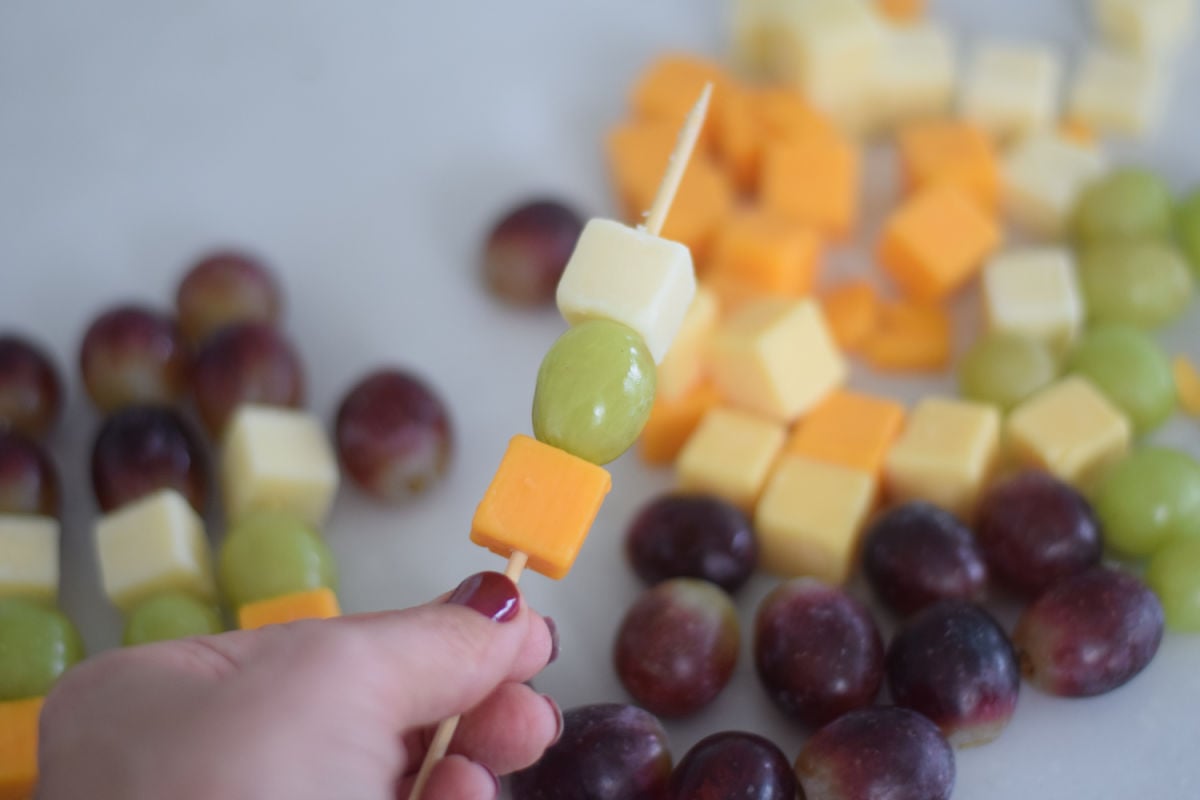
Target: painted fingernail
(554, 649)
(558, 715)
(490, 593)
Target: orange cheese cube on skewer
(768, 253)
(953, 152)
(18, 748)
(849, 429)
(672, 423)
(813, 180)
(315, 604)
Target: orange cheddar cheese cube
(849, 429)
(768, 253)
(541, 502)
(902, 10)
(958, 153)
(933, 244)
(813, 180)
(668, 89)
(672, 422)
(852, 311)
(18, 748)
(737, 137)
(783, 115)
(909, 337)
(315, 604)
(732, 292)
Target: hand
(322, 710)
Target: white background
(364, 148)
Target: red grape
(225, 288)
(246, 363)
(133, 355)
(692, 536)
(732, 765)
(606, 752)
(142, 449)
(677, 646)
(30, 389)
(1090, 633)
(954, 664)
(817, 651)
(877, 753)
(528, 250)
(394, 435)
(28, 479)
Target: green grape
(1187, 226)
(1004, 369)
(1141, 283)
(1148, 498)
(594, 391)
(1129, 367)
(37, 645)
(1126, 205)
(1174, 575)
(269, 554)
(170, 615)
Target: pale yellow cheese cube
(945, 454)
(776, 357)
(730, 455)
(1043, 177)
(1117, 93)
(1012, 90)
(628, 276)
(758, 46)
(278, 459)
(29, 556)
(1069, 429)
(1034, 292)
(913, 77)
(810, 519)
(153, 545)
(683, 367)
(1149, 27)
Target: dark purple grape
(28, 479)
(677, 646)
(247, 363)
(733, 765)
(225, 288)
(1090, 633)
(394, 435)
(607, 752)
(954, 664)
(1035, 530)
(142, 449)
(881, 753)
(527, 251)
(817, 651)
(132, 356)
(30, 389)
(692, 536)
(917, 554)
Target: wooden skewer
(655, 218)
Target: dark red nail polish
(491, 594)
(558, 732)
(554, 649)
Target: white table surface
(364, 148)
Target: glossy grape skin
(246, 363)
(171, 615)
(677, 646)
(394, 435)
(954, 664)
(1089, 634)
(607, 752)
(28, 479)
(1128, 204)
(142, 449)
(917, 554)
(733, 764)
(37, 645)
(270, 554)
(1187, 226)
(528, 249)
(1131, 369)
(132, 355)
(225, 288)
(1035, 530)
(1004, 369)
(692, 536)
(30, 388)
(876, 754)
(817, 651)
(594, 391)
(1174, 575)
(1146, 284)
(1148, 498)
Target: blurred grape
(246, 363)
(133, 355)
(142, 449)
(30, 388)
(28, 479)
(528, 249)
(225, 288)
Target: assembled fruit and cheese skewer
(625, 292)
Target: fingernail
(490, 593)
(558, 715)
(554, 650)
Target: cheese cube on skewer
(1012, 90)
(1043, 177)
(19, 721)
(1117, 93)
(29, 557)
(1034, 292)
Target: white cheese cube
(1118, 93)
(628, 276)
(1148, 27)
(1012, 89)
(29, 556)
(1034, 292)
(1043, 176)
(152, 545)
(758, 47)
(914, 75)
(278, 459)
